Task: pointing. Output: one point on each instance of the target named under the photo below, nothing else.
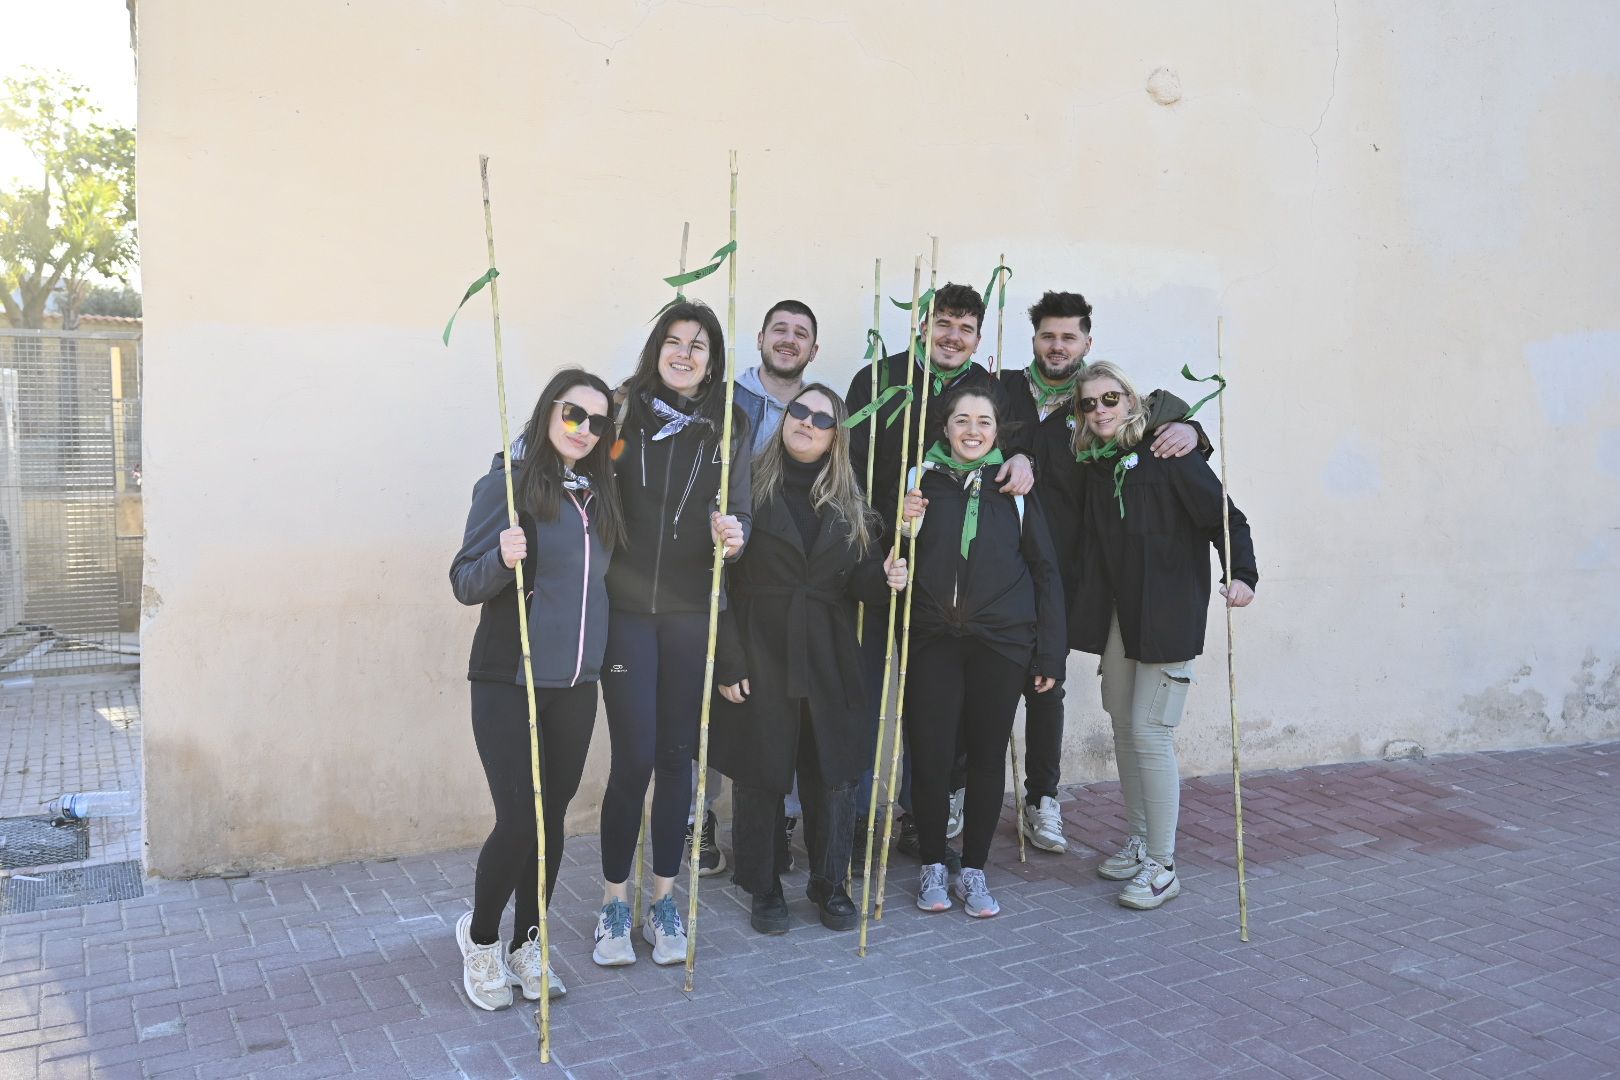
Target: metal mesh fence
(70, 513)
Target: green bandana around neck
(1047, 392)
(1107, 452)
(940, 454)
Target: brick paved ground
(1452, 918)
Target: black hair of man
(960, 300)
(1061, 305)
(792, 307)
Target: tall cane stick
(714, 588)
(523, 631)
(911, 570)
(646, 814)
(995, 361)
(871, 437)
(1018, 801)
(894, 599)
(1231, 670)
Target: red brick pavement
(1450, 918)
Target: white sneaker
(523, 969)
(953, 819)
(1123, 864)
(1152, 886)
(1043, 824)
(971, 889)
(483, 972)
(613, 945)
(664, 932)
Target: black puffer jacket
(564, 574)
(668, 488)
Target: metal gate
(70, 516)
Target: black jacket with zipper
(1007, 593)
(1152, 565)
(565, 576)
(667, 489)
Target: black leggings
(959, 690)
(500, 721)
(1043, 741)
(652, 684)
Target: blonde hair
(1131, 429)
(835, 485)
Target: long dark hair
(711, 397)
(537, 481)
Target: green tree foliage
(77, 224)
(112, 300)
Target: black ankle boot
(769, 913)
(838, 911)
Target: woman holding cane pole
(668, 471)
(569, 524)
(791, 668)
(989, 611)
(1141, 602)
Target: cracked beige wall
(1404, 213)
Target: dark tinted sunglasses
(800, 411)
(1109, 400)
(575, 417)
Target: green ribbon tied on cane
(863, 414)
(489, 275)
(924, 302)
(1107, 452)
(716, 261)
(1218, 379)
(1001, 301)
(939, 454)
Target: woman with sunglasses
(1142, 597)
(568, 525)
(791, 667)
(987, 614)
(672, 412)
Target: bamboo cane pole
(714, 587)
(995, 362)
(523, 629)
(894, 599)
(1018, 799)
(1231, 670)
(646, 813)
(871, 438)
(911, 569)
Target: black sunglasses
(1109, 400)
(800, 411)
(575, 417)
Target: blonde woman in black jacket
(1141, 602)
(568, 526)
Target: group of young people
(1054, 509)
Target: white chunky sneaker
(953, 819)
(523, 969)
(483, 972)
(1123, 864)
(1152, 886)
(931, 892)
(613, 945)
(970, 888)
(1043, 824)
(664, 932)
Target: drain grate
(72, 888)
(34, 841)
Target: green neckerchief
(940, 454)
(1049, 392)
(1107, 452)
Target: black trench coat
(790, 631)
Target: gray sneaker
(953, 816)
(483, 973)
(971, 889)
(664, 933)
(1153, 885)
(931, 893)
(613, 945)
(524, 970)
(1043, 824)
(1123, 864)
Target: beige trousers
(1145, 702)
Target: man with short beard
(1041, 404)
(787, 344)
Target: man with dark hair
(956, 320)
(787, 344)
(1040, 401)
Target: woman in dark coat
(790, 670)
(987, 614)
(1140, 603)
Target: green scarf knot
(939, 454)
(1046, 392)
(1107, 452)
